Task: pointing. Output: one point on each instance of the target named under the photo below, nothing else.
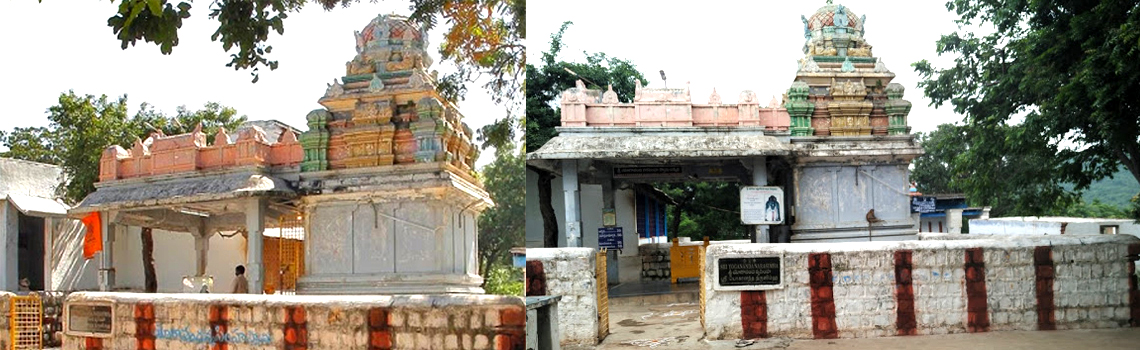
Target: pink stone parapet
(667, 107)
(160, 154)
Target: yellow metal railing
(290, 252)
(684, 261)
(26, 322)
(603, 295)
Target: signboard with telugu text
(761, 205)
(89, 319)
(920, 204)
(610, 238)
(760, 272)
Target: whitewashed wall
(1090, 288)
(570, 273)
(174, 257)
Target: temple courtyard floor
(669, 326)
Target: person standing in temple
(241, 285)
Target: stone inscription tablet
(759, 271)
(89, 319)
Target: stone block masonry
(265, 322)
(654, 261)
(875, 289)
(569, 272)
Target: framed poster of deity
(761, 205)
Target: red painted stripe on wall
(144, 326)
(219, 323)
(904, 294)
(1043, 263)
(1133, 289)
(822, 300)
(977, 313)
(535, 279)
(296, 329)
(754, 314)
(379, 337)
(511, 335)
(93, 343)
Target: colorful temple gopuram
(381, 183)
(837, 144)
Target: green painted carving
(429, 130)
(800, 109)
(315, 142)
(840, 59)
(897, 110)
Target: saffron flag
(93, 240)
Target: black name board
(89, 319)
(655, 170)
(763, 271)
(921, 204)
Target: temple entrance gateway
(836, 145)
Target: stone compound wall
(265, 322)
(876, 289)
(654, 261)
(568, 272)
(5, 326)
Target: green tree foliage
(1067, 67)
(484, 37)
(705, 209)
(504, 280)
(932, 170)
(1116, 190)
(546, 84)
(544, 88)
(1010, 168)
(81, 127)
(1095, 209)
(503, 226)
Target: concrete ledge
(191, 321)
(943, 284)
(569, 273)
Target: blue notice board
(610, 238)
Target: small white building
(1050, 225)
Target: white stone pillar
(954, 220)
(760, 178)
(107, 256)
(255, 226)
(570, 199)
(10, 232)
(201, 249)
(49, 230)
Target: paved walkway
(677, 326)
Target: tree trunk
(545, 206)
(678, 210)
(151, 284)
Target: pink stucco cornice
(160, 154)
(583, 107)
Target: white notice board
(761, 205)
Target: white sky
(56, 46)
(740, 45)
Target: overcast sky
(56, 46)
(740, 45)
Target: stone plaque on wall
(89, 319)
(749, 272)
